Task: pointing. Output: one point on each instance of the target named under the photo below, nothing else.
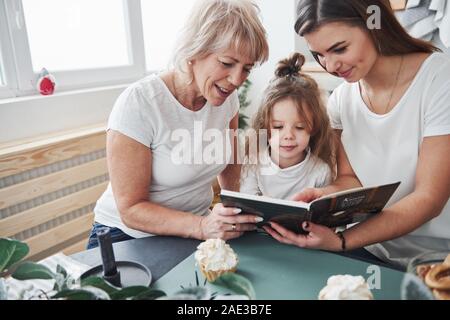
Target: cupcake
(214, 258)
(346, 287)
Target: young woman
(393, 118)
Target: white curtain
(427, 19)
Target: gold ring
(233, 227)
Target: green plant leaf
(128, 292)
(99, 293)
(11, 251)
(20, 252)
(236, 283)
(179, 297)
(100, 283)
(6, 252)
(150, 294)
(85, 293)
(78, 294)
(30, 270)
(243, 103)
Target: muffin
(346, 287)
(214, 258)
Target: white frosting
(216, 255)
(346, 287)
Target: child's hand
(308, 195)
(319, 237)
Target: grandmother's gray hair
(217, 25)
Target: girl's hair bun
(291, 66)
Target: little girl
(300, 151)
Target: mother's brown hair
(391, 39)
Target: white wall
(25, 118)
(29, 117)
(278, 19)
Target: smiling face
(343, 50)
(289, 134)
(217, 75)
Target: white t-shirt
(148, 113)
(385, 148)
(272, 181)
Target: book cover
(334, 210)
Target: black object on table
(110, 272)
(159, 253)
(121, 273)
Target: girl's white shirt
(270, 180)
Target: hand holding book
(308, 195)
(315, 236)
(334, 210)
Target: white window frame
(10, 88)
(20, 77)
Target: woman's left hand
(319, 237)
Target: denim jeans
(117, 235)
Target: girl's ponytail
(291, 66)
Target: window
(85, 43)
(82, 43)
(7, 74)
(72, 36)
(162, 22)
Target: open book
(334, 210)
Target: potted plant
(12, 253)
(243, 103)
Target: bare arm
(129, 165)
(426, 202)
(229, 178)
(346, 177)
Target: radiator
(45, 170)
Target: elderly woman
(392, 115)
(151, 191)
